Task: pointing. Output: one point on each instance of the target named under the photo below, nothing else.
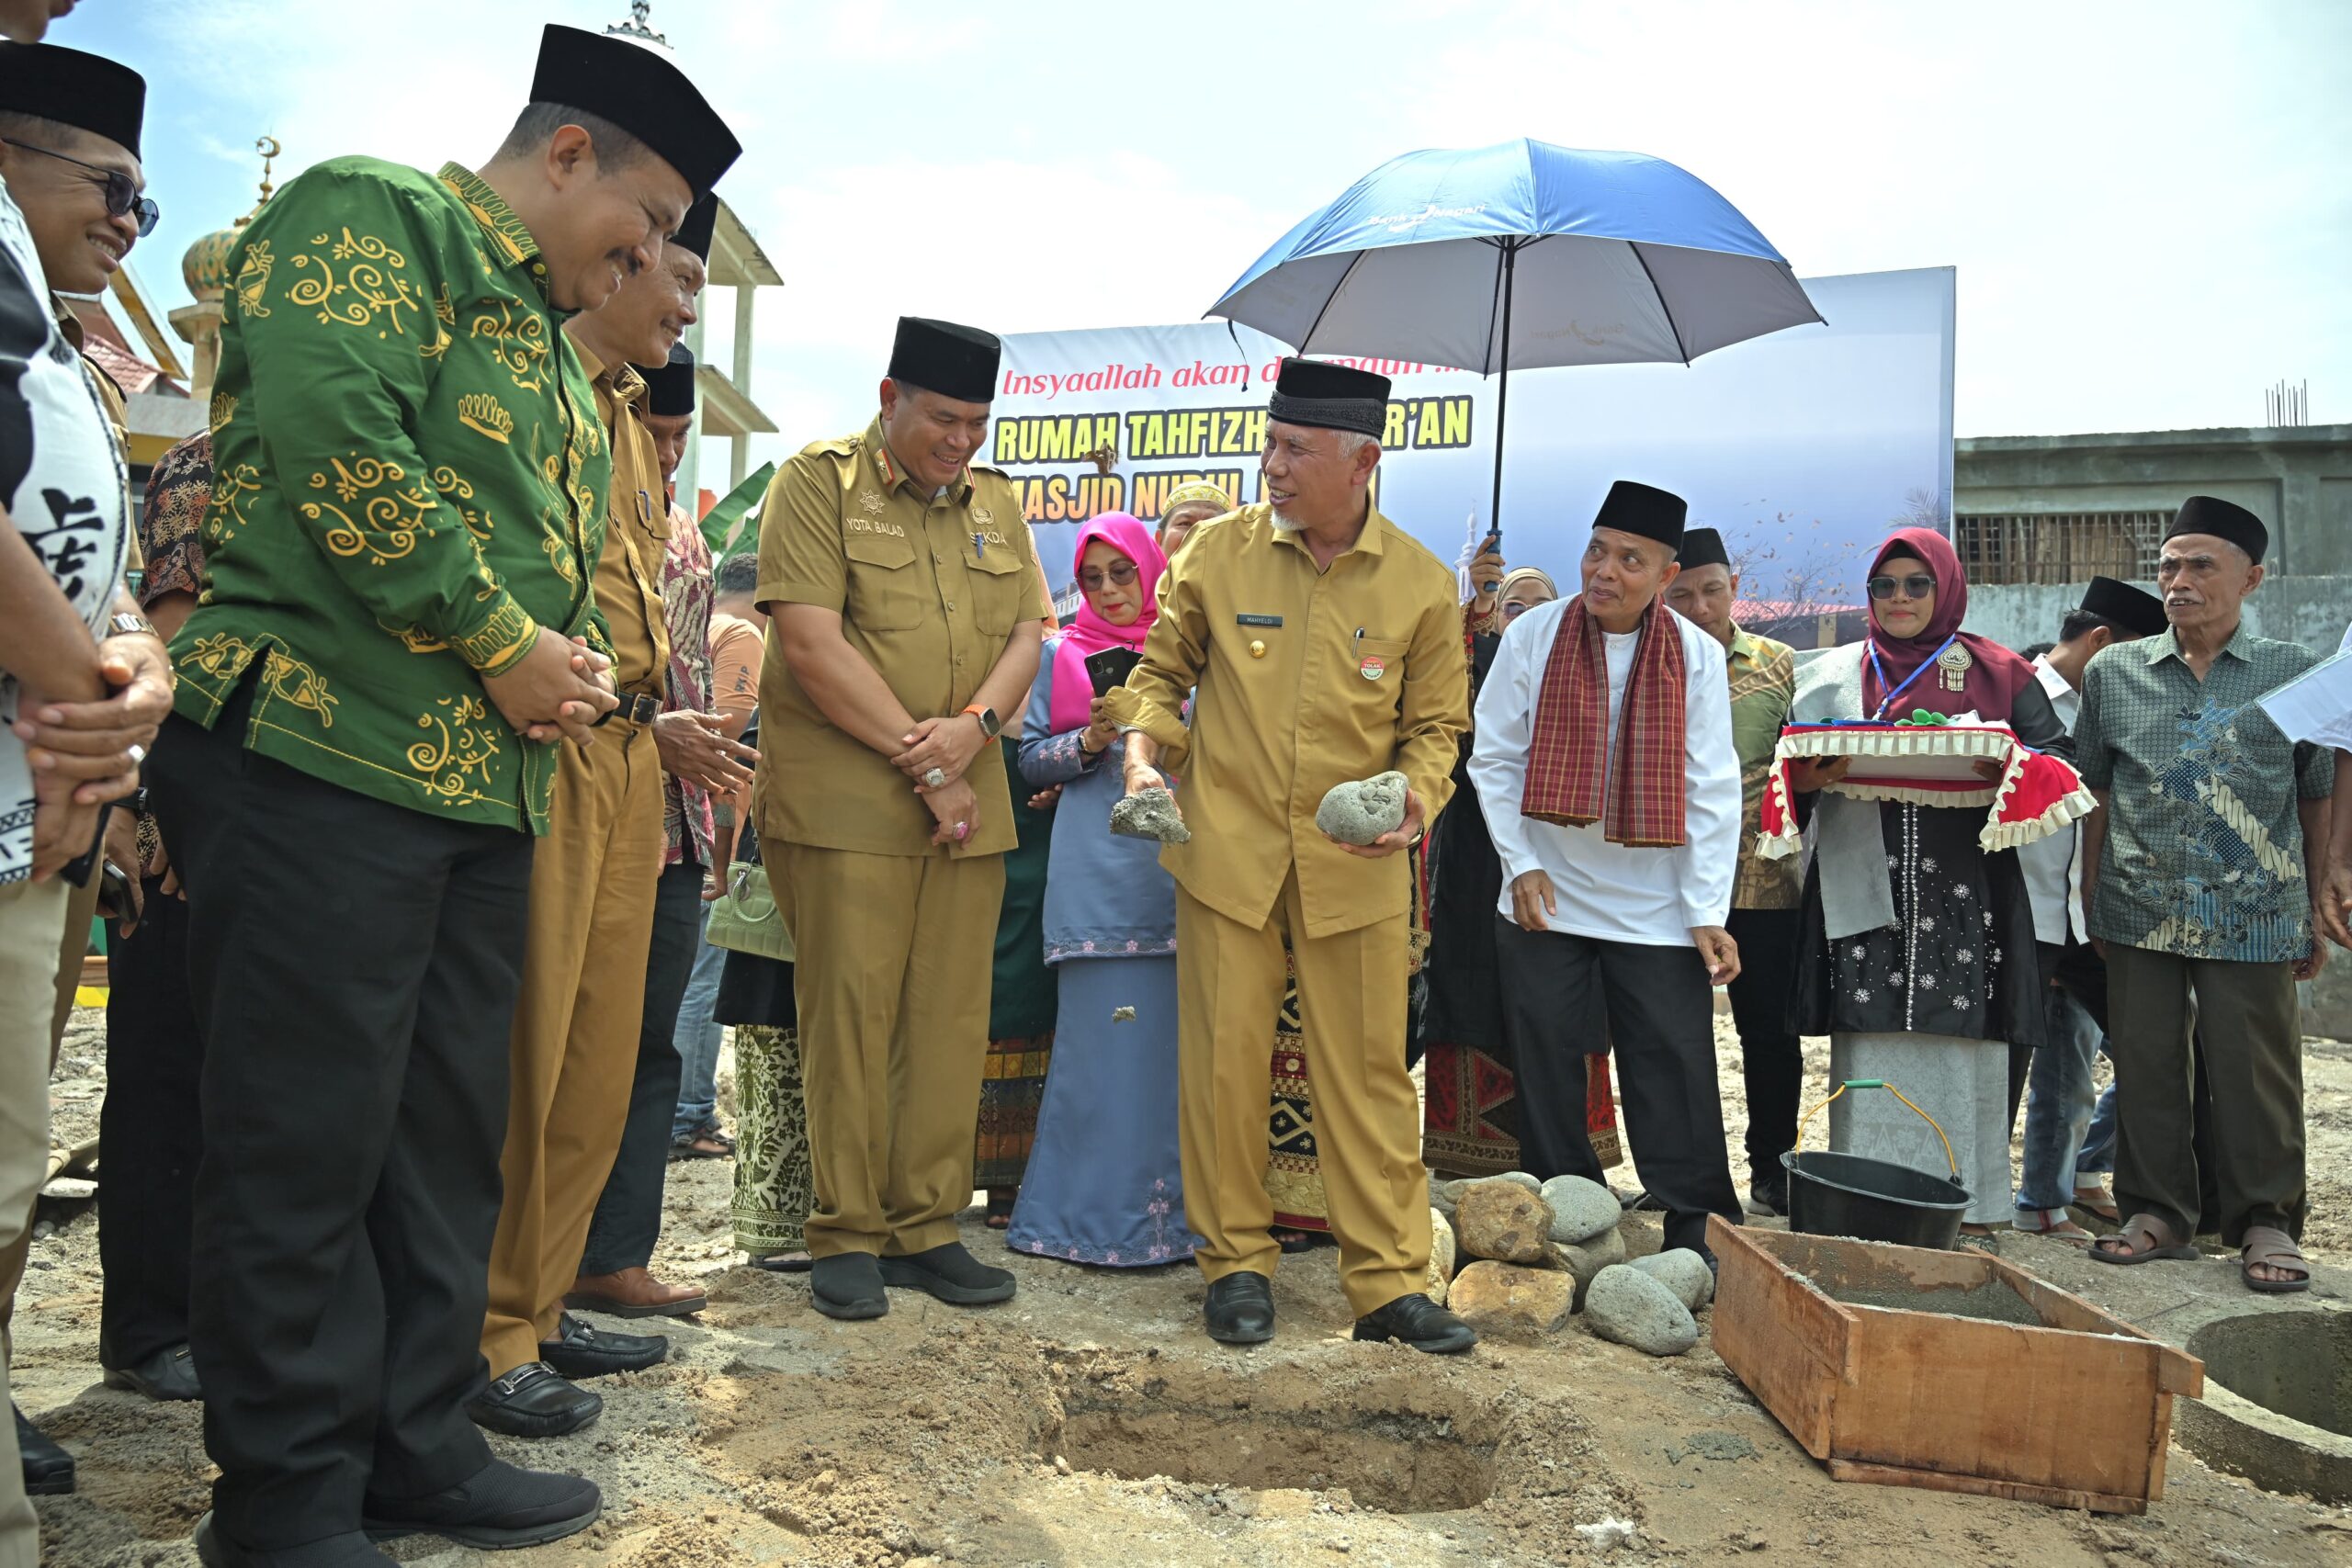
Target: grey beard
(1283, 524)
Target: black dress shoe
(952, 1274)
(579, 1351)
(1419, 1322)
(1240, 1309)
(164, 1376)
(501, 1506)
(1643, 1202)
(532, 1402)
(847, 1285)
(215, 1550)
(49, 1469)
(1769, 1196)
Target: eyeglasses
(1917, 586)
(1513, 609)
(1120, 572)
(122, 194)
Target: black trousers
(1771, 1061)
(1565, 996)
(153, 1133)
(2078, 967)
(627, 1220)
(355, 967)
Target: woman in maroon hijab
(1919, 960)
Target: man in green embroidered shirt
(1765, 894)
(2198, 877)
(408, 508)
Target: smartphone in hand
(1109, 670)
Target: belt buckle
(636, 710)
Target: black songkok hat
(639, 89)
(954, 361)
(694, 234)
(2118, 604)
(1703, 546)
(1645, 510)
(89, 92)
(1330, 397)
(2223, 520)
(670, 388)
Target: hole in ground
(1398, 1447)
(2297, 1363)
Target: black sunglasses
(1917, 586)
(122, 197)
(1122, 573)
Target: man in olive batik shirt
(408, 509)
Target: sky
(2145, 203)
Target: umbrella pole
(1502, 396)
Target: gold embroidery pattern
(388, 525)
(252, 278)
(224, 409)
(455, 489)
(454, 759)
(518, 348)
(231, 486)
(223, 656)
(560, 555)
(444, 308)
(502, 639)
(368, 280)
(297, 683)
(480, 413)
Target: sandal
(2095, 1202)
(2028, 1223)
(708, 1143)
(1297, 1241)
(2145, 1240)
(2265, 1245)
(1000, 1210)
(785, 1263)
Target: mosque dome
(205, 268)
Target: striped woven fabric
(1571, 780)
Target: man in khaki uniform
(592, 886)
(1320, 643)
(906, 606)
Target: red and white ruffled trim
(2038, 794)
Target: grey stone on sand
(1580, 1209)
(1445, 1195)
(1503, 1220)
(1588, 1259)
(1519, 1178)
(1632, 1308)
(1682, 1271)
(1360, 810)
(1150, 814)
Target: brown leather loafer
(633, 1293)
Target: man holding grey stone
(1320, 646)
(1605, 761)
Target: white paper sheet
(2316, 705)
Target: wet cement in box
(1993, 1301)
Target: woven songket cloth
(1574, 777)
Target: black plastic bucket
(1874, 1199)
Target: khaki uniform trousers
(81, 907)
(1367, 1121)
(891, 970)
(575, 1044)
(31, 919)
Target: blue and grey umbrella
(1518, 257)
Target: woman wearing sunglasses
(1918, 960)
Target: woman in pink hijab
(1103, 1183)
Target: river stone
(1445, 1195)
(1526, 1304)
(1150, 814)
(1580, 1209)
(1360, 810)
(1682, 1271)
(1519, 1178)
(1504, 1221)
(1442, 1256)
(1632, 1308)
(1585, 1261)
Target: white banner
(1802, 447)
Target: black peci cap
(670, 388)
(639, 89)
(1653, 513)
(2135, 610)
(2223, 520)
(693, 234)
(1324, 396)
(89, 92)
(1703, 546)
(954, 361)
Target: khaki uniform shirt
(928, 589)
(1763, 682)
(636, 533)
(1301, 679)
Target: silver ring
(138, 755)
(936, 778)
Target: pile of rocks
(1533, 1254)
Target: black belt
(637, 709)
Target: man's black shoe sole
(492, 1537)
(507, 1424)
(50, 1486)
(912, 1277)
(146, 1390)
(574, 1369)
(1448, 1347)
(1240, 1336)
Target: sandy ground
(1090, 1422)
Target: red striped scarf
(1570, 780)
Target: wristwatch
(990, 726)
(126, 623)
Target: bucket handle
(1881, 1083)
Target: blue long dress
(1104, 1184)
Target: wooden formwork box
(2077, 1413)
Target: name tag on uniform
(1258, 620)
